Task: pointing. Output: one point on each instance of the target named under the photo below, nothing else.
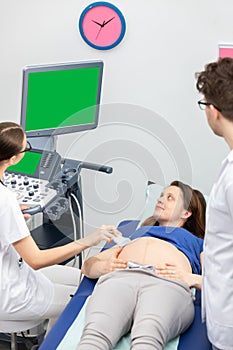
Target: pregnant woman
(144, 287)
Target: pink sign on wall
(225, 51)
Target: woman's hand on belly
(115, 263)
(104, 262)
(173, 272)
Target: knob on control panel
(28, 190)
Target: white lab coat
(25, 294)
(217, 291)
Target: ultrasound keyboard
(28, 190)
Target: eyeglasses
(203, 105)
(28, 147)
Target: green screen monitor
(61, 98)
(28, 165)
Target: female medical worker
(25, 293)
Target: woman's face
(169, 210)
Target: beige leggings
(155, 310)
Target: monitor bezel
(52, 67)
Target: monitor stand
(47, 143)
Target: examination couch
(66, 332)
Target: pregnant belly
(154, 251)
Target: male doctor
(216, 85)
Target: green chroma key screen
(28, 163)
(61, 98)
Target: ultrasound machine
(56, 99)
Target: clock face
(102, 25)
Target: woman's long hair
(11, 139)
(194, 201)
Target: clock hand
(101, 25)
(104, 23)
(99, 30)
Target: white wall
(150, 125)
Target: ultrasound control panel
(28, 190)
(29, 179)
(42, 181)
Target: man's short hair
(216, 84)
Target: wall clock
(102, 25)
